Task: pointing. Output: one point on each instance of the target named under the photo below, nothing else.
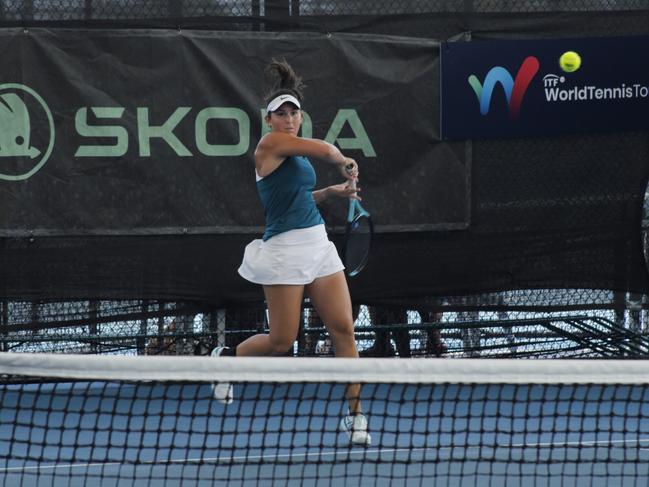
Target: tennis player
(294, 255)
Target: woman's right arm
(274, 147)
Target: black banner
(137, 131)
(546, 212)
(544, 87)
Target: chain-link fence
(179, 10)
(525, 324)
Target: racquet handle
(352, 182)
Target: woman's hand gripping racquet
(358, 236)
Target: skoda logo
(26, 132)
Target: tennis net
(109, 421)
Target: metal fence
(525, 324)
(96, 10)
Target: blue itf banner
(515, 88)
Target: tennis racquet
(358, 237)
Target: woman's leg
(330, 297)
(284, 310)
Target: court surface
(451, 435)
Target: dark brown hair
(281, 79)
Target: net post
(218, 318)
(141, 341)
(5, 324)
(186, 339)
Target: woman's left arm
(342, 190)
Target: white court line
(352, 453)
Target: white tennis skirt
(295, 257)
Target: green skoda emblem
(26, 132)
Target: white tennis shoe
(355, 425)
(222, 391)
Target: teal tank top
(287, 199)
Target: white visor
(278, 101)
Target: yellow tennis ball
(570, 61)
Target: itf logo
(514, 88)
(26, 132)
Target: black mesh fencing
(61, 10)
(186, 12)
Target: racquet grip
(352, 182)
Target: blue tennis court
(176, 434)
